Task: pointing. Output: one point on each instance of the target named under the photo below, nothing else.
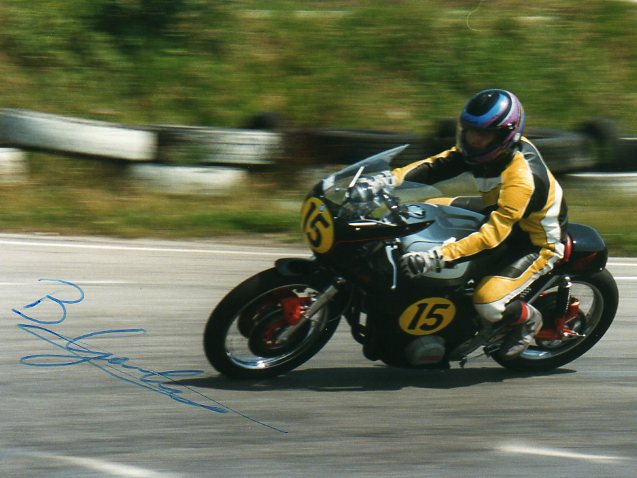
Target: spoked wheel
(255, 331)
(597, 297)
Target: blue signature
(78, 350)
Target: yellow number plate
(427, 316)
(317, 225)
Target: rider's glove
(368, 186)
(416, 264)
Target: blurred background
(311, 71)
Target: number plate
(427, 316)
(317, 225)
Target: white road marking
(241, 252)
(115, 469)
(99, 282)
(94, 464)
(114, 247)
(77, 282)
(556, 453)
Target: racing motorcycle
(281, 317)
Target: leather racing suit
(527, 210)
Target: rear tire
(599, 298)
(240, 338)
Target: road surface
(132, 309)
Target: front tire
(241, 338)
(599, 297)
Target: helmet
(496, 111)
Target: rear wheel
(598, 298)
(248, 333)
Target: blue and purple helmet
(492, 110)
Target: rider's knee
(510, 312)
(492, 312)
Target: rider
(524, 206)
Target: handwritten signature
(79, 350)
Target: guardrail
(13, 167)
(564, 151)
(625, 154)
(217, 146)
(595, 146)
(32, 130)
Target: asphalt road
(133, 308)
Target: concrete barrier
(618, 183)
(625, 157)
(13, 166)
(40, 131)
(210, 180)
(218, 146)
(563, 151)
(250, 149)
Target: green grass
(397, 66)
(65, 196)
(96, 198)
(609, 211)
(393, 65)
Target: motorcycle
(281, 317)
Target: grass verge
(67, 196)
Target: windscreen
(337, 186)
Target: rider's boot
(523, 330)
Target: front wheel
(598, 299)
(247, 335)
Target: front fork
(303, 313)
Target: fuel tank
(449, 224)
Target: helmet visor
(477, 141)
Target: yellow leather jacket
(520, 191)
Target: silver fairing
(450, 224)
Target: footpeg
(491, 349)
